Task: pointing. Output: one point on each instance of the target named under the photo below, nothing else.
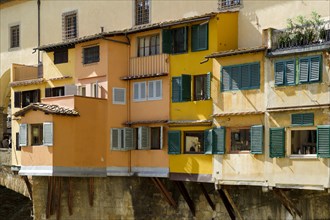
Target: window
(304, 119)
(25, 98)
(155, 90)
(202, 87)
(14, 36)
(95, 90)
(141, 12)
(119, 96)
(239, 77)
(303, 141)
(156, 137)
(91, 54)
(18, 147)
(121, 138)
(36, 134)
(40, 134)
(139, 90)
(199, 37)
(148, 45)
(194, 141)
(309, 69)
(285, 72)
(82, 90)
(56, 91)
(175, 40)
(240, 140)
(61, 56)
(69, 25)
(277, 142)
(225, 4)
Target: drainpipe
(40, 75)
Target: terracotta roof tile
(27, 82)
(49, 109)
(237, 51)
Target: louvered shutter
(257, 137)
(277, 142)
(296, 119)
(176, 89)
(115, 139)
(118, 95)
(70, 90)
(174, 142)
(186, 87)
(23, 135)
(185, 38)
(225, 82)
(246, 77)
(143, 90)
(151, 89)
(235, 78)
(161, 137)
(194, 38)
(279, 73)
(167, 41)
(203, 37)
(290, 72)
(158, 88)
(18, 99)
(136, 91)
(315, 69)
(128, 138)
(207, 86)
(323, 141)
(255, 75)
(218, 142)
(303, 70)
(305, 119)
(48, 133)
(48, 92)
(208, 141)
(144, 138)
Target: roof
(146, 122)
(153, 75)
(190, 123)
(48, 109)
(27, 82)
(298, 108)
(134, 29)
(238, 113)
(236, 52)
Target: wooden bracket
(229, 204)
(186, 196)
(209, 200)
(288, 204)
(91, 191)
(70, 196)
(166, 194)
(28, 186)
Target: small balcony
(149, 65)
(228, 4)
(301, 36)
(24, 72)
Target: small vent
(119, 96)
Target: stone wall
(12, 181)
(138, 198)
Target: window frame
(155, 97)
(284, 77)
(204, 87)
(202, 142)
(90, 56)
(66, 33)
(142, 16)
(196, 30)
(229, 142)
(139, 98)
(114, 96)
(309, 58)
(49, 92)
(288, 142)
(156, 47)
(61, 56)
(35, 97)
(14, 41)
(39, 142)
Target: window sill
(305, 156)
(240, 152)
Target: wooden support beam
(59, 194)
(91, 191)
(227, 204)
(53, 197)
(186, 196)
(287, 203)
(166, 194)
(28, 186)
(237, 212)
(70, 195)
(209, 200)
(49, 196)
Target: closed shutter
(161, 137)
(185, 38)
(23, 135)
(255, 75)
(176, 89)
(199, 35)
(219, 143)
(277, 142)
(208, 141)
(18, 99)
(186, 88)
(118, 96)
(246, 77)
(174, 142)
(279, 73)
(128, 138)
(207, 86)
(315, 69)
(235, 78)
(323, 141)
(305, 119)
(303, 70)
(290, 72)
(48, 133)
(70, 90)
(308, 119)
(115, 139)
(194, 38)
(225, 82)
(48, 92)
(144, 138)
(167, 41)
(257, 137)
(296, 119)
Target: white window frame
(154, 96)
(11, 47)
(288, 142)
(114, 95)
(139, 98)
(95, 90)
(82, 90)
(124, 135)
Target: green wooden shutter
(185, 37)
(303, 70)
(18, 99)
(279, 73)
(186, 87)
(323, 141)
(315, 64)
(174, 142)
(23, 135)
(203, 37)
(48, 92)
(235, 78)
(144, 138)
(128, 138)
(257, 137)
(305, 119)
(167, 41)
(208, 85)
(219, 143)
(290, 76)
(194, 38)
(246, 76)
(225, 81)
(208, 141)
(255, 75)
(277, 142)
(308, 119)
(176, 89)
(296, 119)
(48, 133)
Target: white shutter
(128, 138)
(136, 91)
(151, 89)
(158, 88)
(48, 134)
(161, 137)
(70, 90)
(23, 135)
(144, 138)
(118, 95)
(143, 90)
(115, 139)
(96, 92)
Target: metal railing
(228, 4)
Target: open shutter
(70, 90)
(208, 141)
(323, 141)
(128, 138)
(176, 89)
(219, 143)
(225, 81)
(235, 78)
(115, 139)
(257, 137)
(279, 73)
(185, 38)
(48, 134)
(48, 92)
(23, 135)
(144, 138)
(315, 69)
(167, 40)
(186, 87)
(161, 137)
(303, 70)
(18, 99)
(208, 86)
(290, 75)
(246, 76)
(255, 75)
(277, 142)
(174, 142)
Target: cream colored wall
(255, 16)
